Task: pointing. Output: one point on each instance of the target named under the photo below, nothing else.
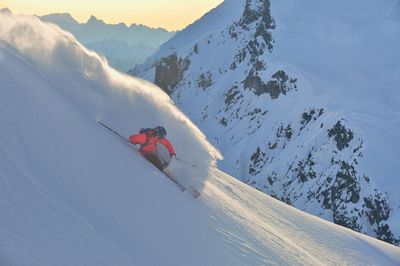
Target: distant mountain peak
(122, 25)
(5, 11)
(94, 20)
(256, 9)
(65, 15)
(60, 18)
(123, 46)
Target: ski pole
(116, 133)
(183, 161)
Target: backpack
(148, 131)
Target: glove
(173, 155)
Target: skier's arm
(138, 139)
(168, 145)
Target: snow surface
(72, 193)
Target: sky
(169, 14)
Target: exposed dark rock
(288, 132)
(377, 208)
(279, 132)
(334, 194)
(205, 80)
(254, 82)
(257, 162)
(251, 14)
(232, 32)
(341, 135)
(272, 146)
(385, 234)
(257, 13)
(304, 169)
(169, 72)
(231, 95)
(280, 83)
(345, 188)
(223, 122)
(348, 221)
(239, 58)
(272, 178)
(307, 117)
(367, 178)
(254, 112)
(254, 10)
(312, 114)
(340, 191)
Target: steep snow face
(72, 193)
(88, 82)
(123, 46)
(301, 98)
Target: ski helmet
(161, 132)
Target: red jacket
(148, 143)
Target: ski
(182, 188)
(194, 192)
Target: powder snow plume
(102, 93)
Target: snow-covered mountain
(302, 98)
(72, 193)
(123, 46)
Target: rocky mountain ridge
(288, 106)
(122, 45)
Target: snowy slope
(122, 45)
(302, 99)
(72, 193)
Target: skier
(154, 146)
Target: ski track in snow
(72, 193)
(302, 240)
